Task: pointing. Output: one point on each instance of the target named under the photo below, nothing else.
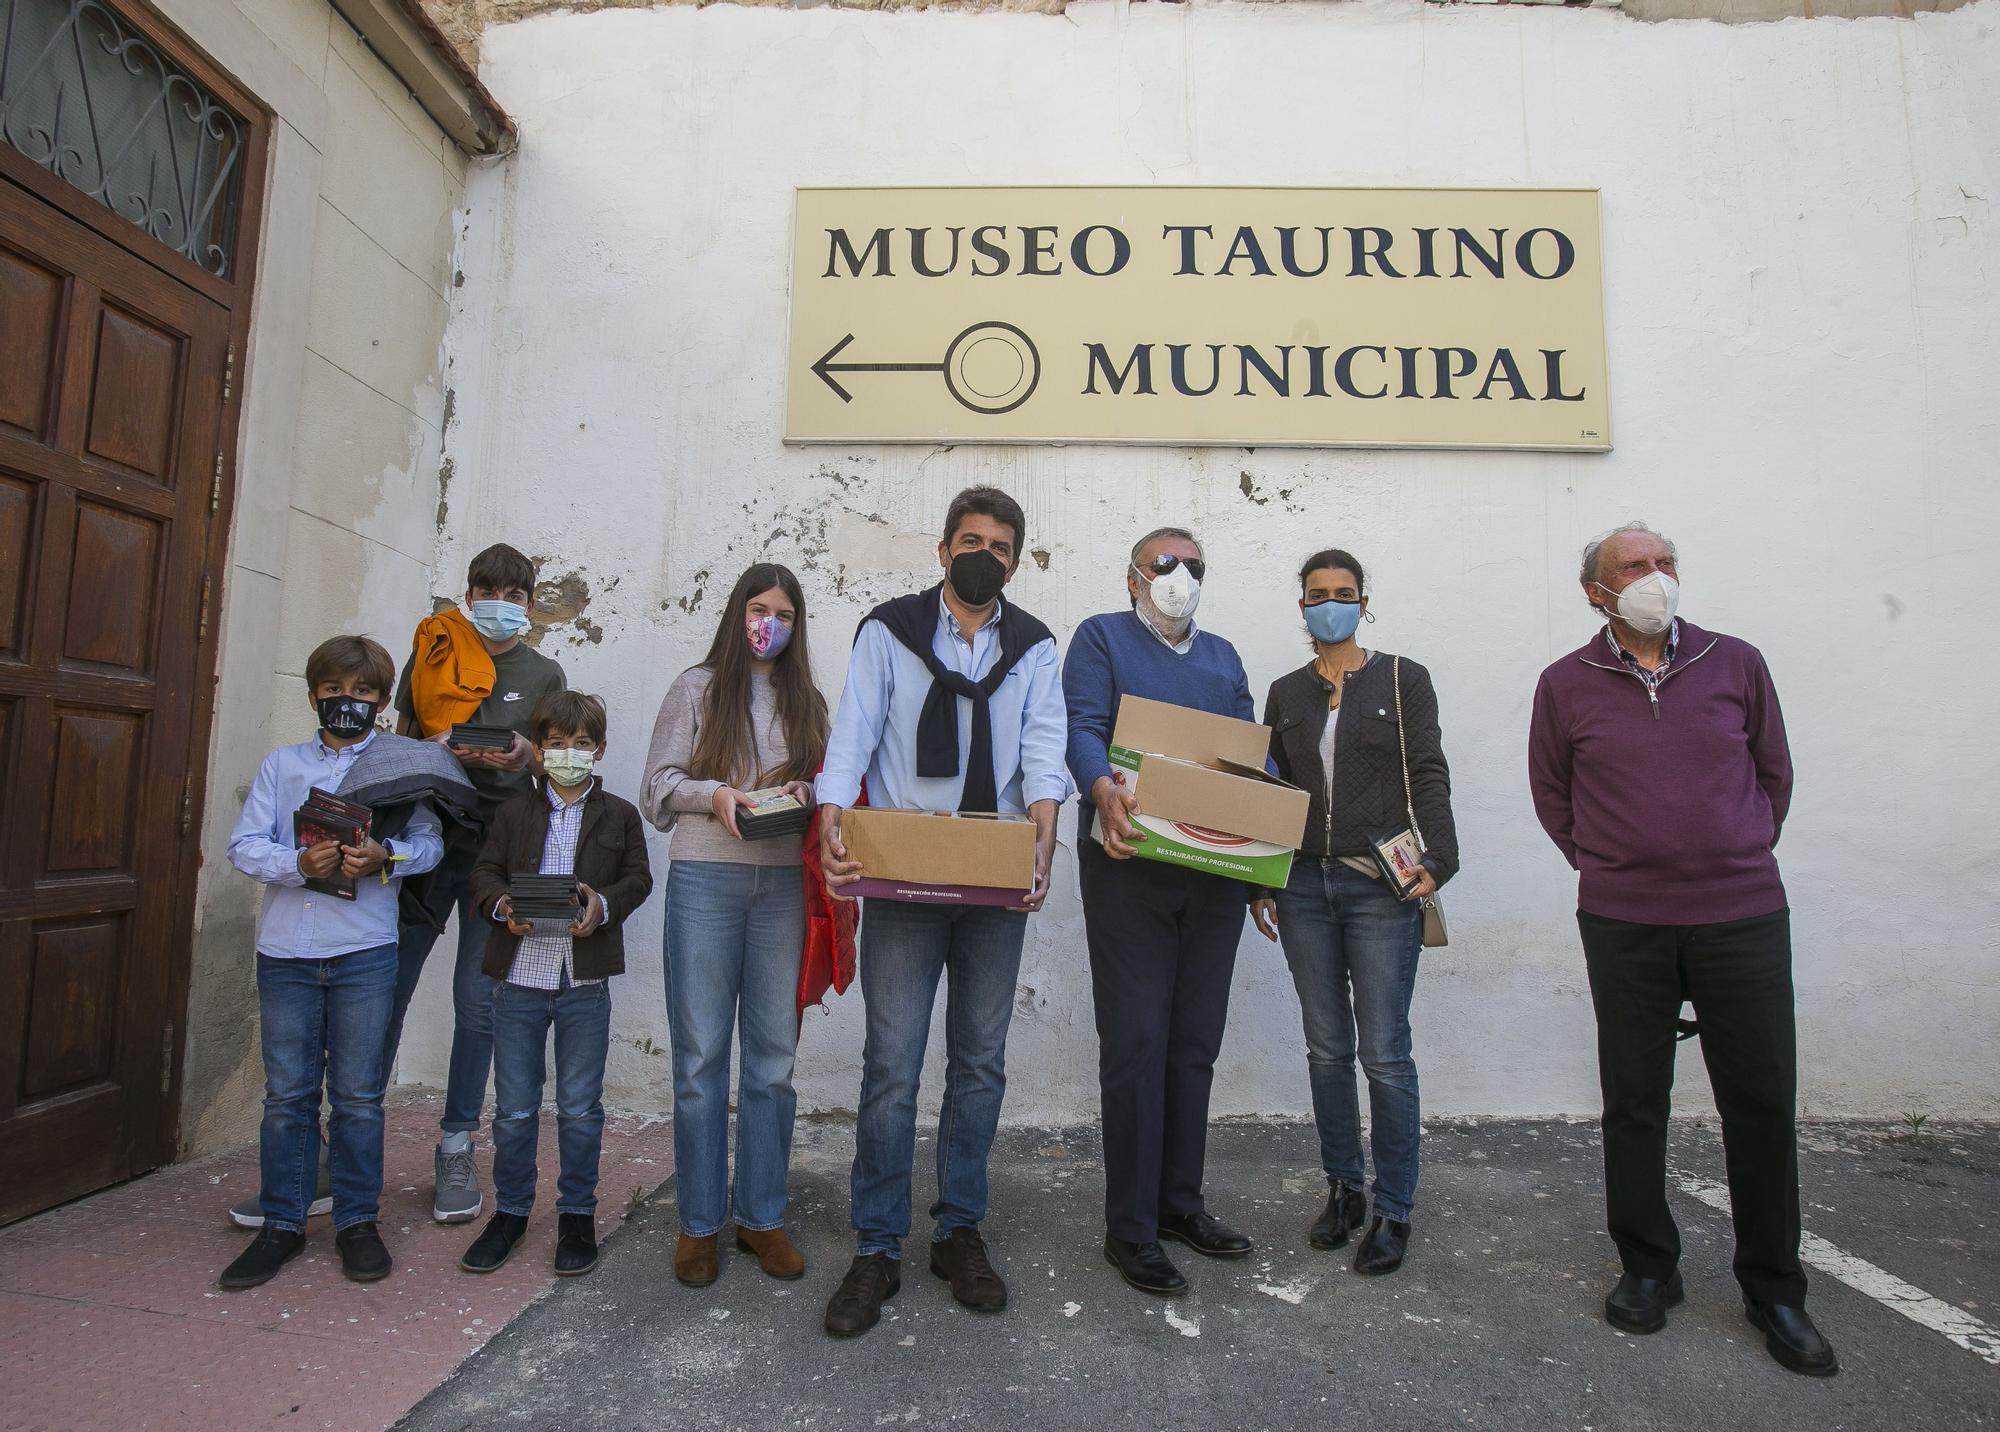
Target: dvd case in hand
(323, 817)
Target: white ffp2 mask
(1176, 595)
(1649, 604)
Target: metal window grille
(87, 97)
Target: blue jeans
(581, 1017)
(733, 941)
(1341, 929)
(471, 995)
(321, 1025)
(904, 948)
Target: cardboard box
(940, 857)
(1205, 799)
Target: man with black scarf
(953, 702)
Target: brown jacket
(610, 859)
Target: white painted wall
(1801, 261)
(334, 522)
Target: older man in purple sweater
(1658, 762)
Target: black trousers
(1162, 948)
(1738, 976)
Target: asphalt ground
(1494, 1322)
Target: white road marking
(1978, 1338)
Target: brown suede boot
(776, 1254)
(694, 1260)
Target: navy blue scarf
(913, 620)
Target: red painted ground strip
(110, 1318)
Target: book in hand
(471, 736)
(1400, 860)
(774, 814)
(548, 903)
(323, 817)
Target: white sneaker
(458, 1199)
(249, 1212)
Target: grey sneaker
(249, 1213)
(458, 1199)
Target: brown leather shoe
(694, 1260)
(960, 1256)
(776, 1254)
(872, 1279)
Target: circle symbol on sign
(992, 368)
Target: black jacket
(610, 859)
(1367, 767)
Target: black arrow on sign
(826, 368)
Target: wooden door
(112, 381)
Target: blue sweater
(1116, 654)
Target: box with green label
(1205, 800)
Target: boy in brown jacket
(568, 825)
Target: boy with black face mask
(326, 970)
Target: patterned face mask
(768, 637)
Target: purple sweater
(1668, 819)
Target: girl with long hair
(748, 718)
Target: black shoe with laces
(872, 1279)
(576, 1244)
(269, 1251)
(960, 1258)
(1205, 1233)
(1145, 1266)
(363, 1256)
(494, 1243)
(1346, 1210)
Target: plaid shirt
(544, 961)
(1658, 674)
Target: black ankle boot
(1383, 1249)
(1346, 1210)
(494, 1243)
(576, 1244)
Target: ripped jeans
(522, 1017)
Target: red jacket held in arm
(1667, 819)
(610, 859)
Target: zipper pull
(1653, 695)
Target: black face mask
(346, 715)
(977, 577)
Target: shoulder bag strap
(1403, 748)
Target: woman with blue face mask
(1351, 940)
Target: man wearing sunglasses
(1162, 938)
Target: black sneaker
(363, 1258)
(269, 1251)
(576, 1244)
(490, 1249)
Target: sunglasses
(1160, 566)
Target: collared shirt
(875, 729)
(1179, 648)
(302, 924)
(546, 961)
(1658, 674)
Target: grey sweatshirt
(674, 801)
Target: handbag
(1435, 934)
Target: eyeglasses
(1165, 563)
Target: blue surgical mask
(1333, 622)
(499, 621)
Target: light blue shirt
(875, 730)
(302, 924)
